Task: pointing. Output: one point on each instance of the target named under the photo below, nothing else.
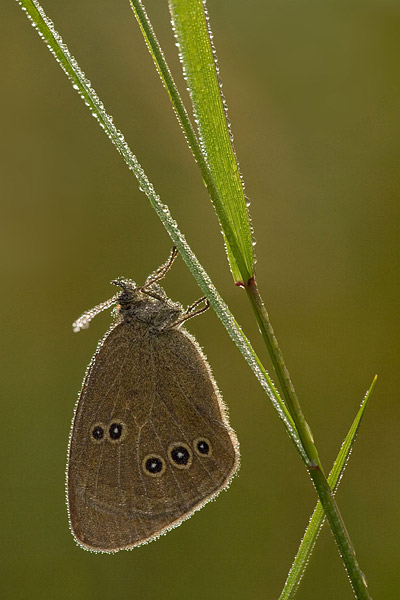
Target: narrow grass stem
(318, 517)
(340, 533)
(314, 465)
(282, 373)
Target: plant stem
(282, 373)
(340, 533)
(314, 465)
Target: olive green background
(313, 92)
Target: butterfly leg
(190, 312)
(161, 271)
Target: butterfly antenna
(84, 320)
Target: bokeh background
(313, 90)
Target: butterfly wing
(150, 442)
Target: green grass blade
(81, 84)
(317, 519)
(198, 57)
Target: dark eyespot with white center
(153, 465)
(116, 431)
(202, 447)
(180, 455)
(97, 433)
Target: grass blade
(317, 519)
(197, 54)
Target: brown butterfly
(150, 442)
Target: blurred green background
(313, 92)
